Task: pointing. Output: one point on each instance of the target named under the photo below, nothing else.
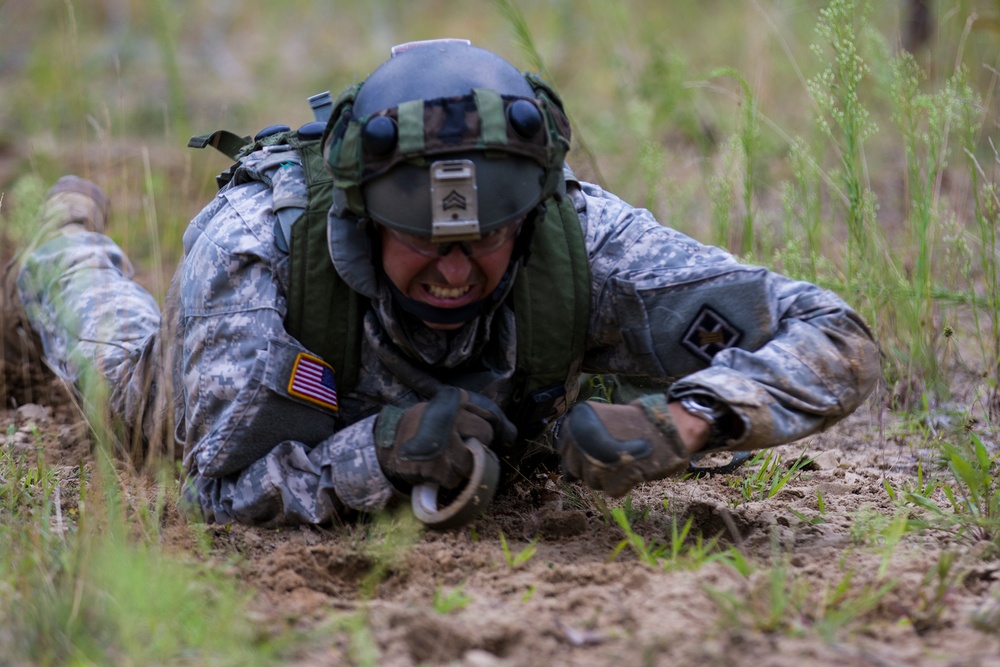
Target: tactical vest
(551, 294)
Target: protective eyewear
(489, 242)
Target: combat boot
(75, 204)
(72, 205)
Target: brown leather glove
(614, 447)
(425, 443)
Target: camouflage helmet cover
(445, 103)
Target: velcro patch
(313, 380)
(709, 334)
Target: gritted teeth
(448, 292)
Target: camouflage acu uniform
(787, 357)
(100, 332)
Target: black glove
(614, 447)
(425, 443)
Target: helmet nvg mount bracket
(454, 204)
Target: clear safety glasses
(490, 242)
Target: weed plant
(85, 592)
(770, 604)
(779, 600)
(447, 602)
(362, 649)
(764, 475)
(680, 550)
(514, 559)
(967, 505)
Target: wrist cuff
(386, 425)
(357, 477)
(655, 407)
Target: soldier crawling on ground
(417, 270)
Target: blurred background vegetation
(91, 85)
(735, 121)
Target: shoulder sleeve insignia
(709, 334)
(313, 380)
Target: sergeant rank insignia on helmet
(312, 380)
(709, 334)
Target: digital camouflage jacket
(787, 357)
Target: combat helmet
(445, 141)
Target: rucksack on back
(551, 295)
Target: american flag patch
(312, 380)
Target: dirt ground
(828, 584)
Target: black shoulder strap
(224, 141)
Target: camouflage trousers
(104, 335)
(99, 331)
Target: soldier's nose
(455, 266)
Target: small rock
(309, 536)
(74, 433)
(828, 460)
(834, 488)
(637, 581)
(32, 412)
(566, 523)
(986, 617)
(252, 537)
(767, 519)
(480, 658)
(22, 440)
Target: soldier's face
(452, 280)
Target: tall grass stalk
(987, 214)
(845, 120)
(165, 26)
(926, 123)
(749, 138)
(899, 287)
(75, 92)
(523, 36)
(802, 204)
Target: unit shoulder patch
(312, 380)
(709, 334)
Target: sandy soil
(828, 584)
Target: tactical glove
(614, 447)
(425, 443)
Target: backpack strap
(552, 302)
(324, 314)
(224, 141)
